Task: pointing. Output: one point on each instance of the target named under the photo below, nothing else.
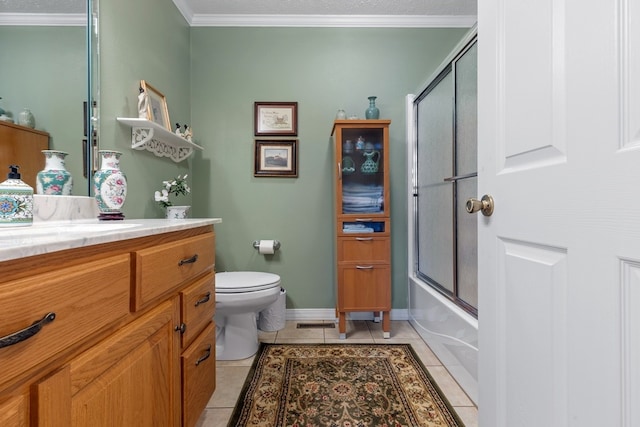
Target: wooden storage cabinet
(102, 362)
(20, 145)
(363, 223)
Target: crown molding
(44, 19)
(185, 10)
(354, 21)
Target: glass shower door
(446, 166)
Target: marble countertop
(51, 236)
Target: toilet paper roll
(266, 247)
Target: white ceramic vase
(110, 185)
(178, 212)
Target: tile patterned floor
(231, 374)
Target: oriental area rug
(340, 385)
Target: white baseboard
(330, 314)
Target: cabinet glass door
(362, 170)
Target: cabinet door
(13, 412)
(130, 379)
(361, 149)
(198, 375)
(364, 287)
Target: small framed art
(276, 158)
(157, 110)
(276, 118)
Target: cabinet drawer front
(198, 375)
(84, 298)
(364, 248)
(164, 267)
(198, 307)
(364, 288)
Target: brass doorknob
(485, 205)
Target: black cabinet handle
(204, 299)
(27, 333)
(205, 356)
(188, 260)
(180, 328)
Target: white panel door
(559, 259)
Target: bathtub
(449, 331)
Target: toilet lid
(245, 281)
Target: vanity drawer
(198, 375)
(84, 298)
(364, 248)
(198, 307)
(161, 269)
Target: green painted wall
(323, 69)
(44, 69)
(142, 40)
(211, 78)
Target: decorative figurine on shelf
(187, 134)
(143, 102)
(178, 132)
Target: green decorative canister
(110, 186)
(372, 112)
(54, 179)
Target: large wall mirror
(49, 64)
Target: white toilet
(240, 295)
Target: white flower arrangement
(178, 187)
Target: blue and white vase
(54, 179)
(110, 185)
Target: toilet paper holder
(276, 244)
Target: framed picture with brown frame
(276, 158)
(276, 118)
(157, 110)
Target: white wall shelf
(148, 135)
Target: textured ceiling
(273, 7)
(42, 6)
(334, 7)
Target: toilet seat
(245, 281)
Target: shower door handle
(484, 205)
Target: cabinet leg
(342, 326)
(386, 325)
(376, 316)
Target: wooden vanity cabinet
(20, 145)
(101, 361)
(362, 217)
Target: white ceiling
(288, 12)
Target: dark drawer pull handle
(180, 328)
(205, 356)
(364, 267)
(27, 333)
(188, 260)
(204, 299)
